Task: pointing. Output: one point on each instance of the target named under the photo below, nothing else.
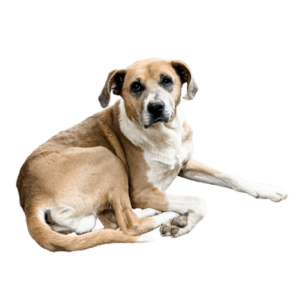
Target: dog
(123, 157)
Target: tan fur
(188, 132)
(194, 166)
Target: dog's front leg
(191, 209)
(198, 172)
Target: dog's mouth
(160, 119)
(155, 121)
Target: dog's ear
(185, 75)
(114, 81)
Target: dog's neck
(156, 137)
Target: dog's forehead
(149, 70)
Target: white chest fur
(164, 146)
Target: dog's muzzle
(156, 112)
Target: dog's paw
(264, 191)
(185, 224)
(172, 228)
(173, 232)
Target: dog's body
(125, 156)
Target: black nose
(156, 108)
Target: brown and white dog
(125, 156)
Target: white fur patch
(164, 147)
(65, 219)
(86, 224)
(146, 213)
(144, 239)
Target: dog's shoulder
(97, 130)
(187, 132)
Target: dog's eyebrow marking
(137, 80)
(163, 75)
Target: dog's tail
(53, 241)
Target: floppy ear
(185, 75)
(113, 82)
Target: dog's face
(151, 90)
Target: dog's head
(151, 89)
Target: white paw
(172, 230)
(86, 224)
(264, 191)
(181, 225)
(193, 221)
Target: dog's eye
(136, 87)
(167, 81)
